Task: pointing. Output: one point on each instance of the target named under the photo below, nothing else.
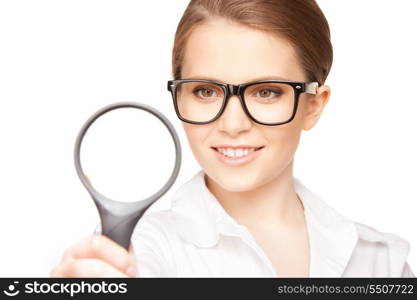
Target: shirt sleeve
(407, 271)
(150, 241)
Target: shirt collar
(200, 219)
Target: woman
(248, 78)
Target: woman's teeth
(239, 152)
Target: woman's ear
(314, 106)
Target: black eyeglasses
(266, 102)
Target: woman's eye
(267, 93)
(205, 92)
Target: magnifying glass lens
(127, 154)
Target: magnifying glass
(122, 155)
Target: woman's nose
(234, 119)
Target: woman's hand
(96, 256)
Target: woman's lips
(237, 161)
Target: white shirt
(197, 238)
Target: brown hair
(301, 22)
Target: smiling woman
(249, 77)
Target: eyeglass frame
(238, 90)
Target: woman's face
(232, 53)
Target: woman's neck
(273, 203)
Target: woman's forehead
(236, 52)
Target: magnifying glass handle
(118, 228)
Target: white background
(62, 60)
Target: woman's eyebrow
(269, 77)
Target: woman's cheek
(196, 135)
(284, 145)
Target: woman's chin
(235, 183)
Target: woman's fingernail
(131, 271)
